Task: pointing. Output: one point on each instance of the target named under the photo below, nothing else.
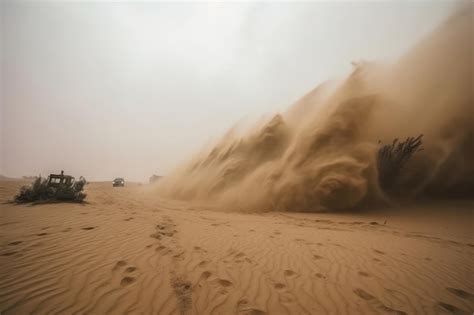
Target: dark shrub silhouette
(392, 158)
(40, 191)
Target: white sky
(129, 90)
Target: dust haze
(321, 152)
(132, 89)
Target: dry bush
(392, 159)
(39, 191)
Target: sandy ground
(127, 251)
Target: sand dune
(127, 251)
(322, 152)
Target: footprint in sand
(364, 295)
(127, 280)
(317, 257)
(166, 229)
(279, 286)
(239, 255)
(461, 293)
(199, 249)
(363, 273)
(160, 247)
(156, 235)
(130, 269)
(182, 286)
(206, 274)
(119, 264)
(128, 219)
(224, 282)
(15, 243)
(203, 263)
(320, 276)
(179, 255)
(379, 252)
(452, 309)
(289, 273)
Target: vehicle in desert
(155, 178)
(118, 182)
(56, 180)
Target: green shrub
(39, 191)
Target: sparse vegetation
(41, 191)
(392, 158)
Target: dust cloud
(322, 152)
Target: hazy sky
(113, 89)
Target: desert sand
(128, 251)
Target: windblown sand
(322, 152)
(127, 251)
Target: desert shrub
(40, 191)
(392, 159)
(37, 191)
(71, 193)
